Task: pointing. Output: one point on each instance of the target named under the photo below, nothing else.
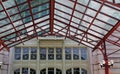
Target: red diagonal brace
(52, 6)
(3, 45)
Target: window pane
(58, 53)
(17, 71)
(50, 70)
(17, 56)
(33, 50)
(32, 71)
(51, 50)
(17, 50)
(24, 70)
(50, 53)
(17, 53)
(76, 71)
(68, 53)
(83, 53)
(75, 53)
(42, 53)
(69, 71)
(83, 71)
(58, 56)
(58, 71)
(33, 56)
(58, 50)
(33, 53)
(25, 53)
(50, 56)
(43, 71)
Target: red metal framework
(91, 22)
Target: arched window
(32, 71)
(58, 71)
(76, 70)
(51, 71)
(83, 71)
(24, 71)
(43, 71)
(17, 71)
(69, 71)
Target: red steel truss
(90, 25)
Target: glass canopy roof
(88, 22)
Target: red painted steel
(73, 9)
(52, 7)
(85, 33)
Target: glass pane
(17, 71)
(17, 56)
(83, 71)
(58, 71)
(25, 56)
(33, 50)
(25, 50)
(58, 56)
(51, 50)
(68, 53)
(75, 53)
(50, 70)
(17, 50)
(42, 53)
(58, 50)
(32, 71)
(33, 56)
(76, 71)
(69, 71)
(43, 71)
(24, 70)
(50, 56)
(83, 53)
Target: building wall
(57, 64)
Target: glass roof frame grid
(70, 21)
(10, 21)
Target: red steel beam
(10, 21)
(52, 7)
(3, 45)
(30, 9)
(73, 9)
(85, 33)
(83, 14)
(107, 35)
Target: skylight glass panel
(102, 25)
(41, 19)
(107, 19)
(80, 8)
(85, 2)
(62, 14)
(91, 12)
(78, 14)
(9, 3)
(75, 20)
(65, 2)
(94, 5)
(87, 18)
(62, 19)
(63, 8)
(60, 24)
(111, 12)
